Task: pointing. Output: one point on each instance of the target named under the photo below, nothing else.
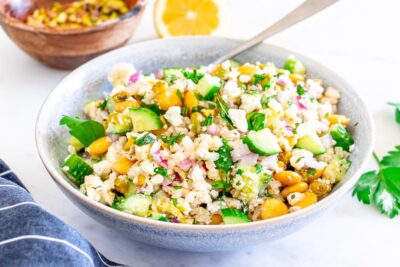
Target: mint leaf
(86, 131)
(163, 171)
(224, 161)
(223, 110)
(170, 140)
(208, 121)
(258, 78)
(102, 105)
(342, 137)
(145, 139)
(218, 184)
(256, 121)
(192, 75)
(300, 90)
(397, 112)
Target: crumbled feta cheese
(120, 73)
(157, 179)
(249, 103)
(244, 78)
(295, 197)
(238, 118)
(173, 116)
(231, 89)
(102, 168)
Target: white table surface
(359, 39)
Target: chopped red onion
(212, 129)
(281, 81)
(299, 104)
(135, 77)
(158, 159)
(185, 164)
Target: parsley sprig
(382, 187)
(397, 114)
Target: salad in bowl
(225, 144)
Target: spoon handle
(305, 10)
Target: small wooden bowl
(66, 49)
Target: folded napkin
(30, 236)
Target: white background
(359, 39)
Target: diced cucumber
(342, 137)
(121, 124)
(234, 63)
(111, 104)
(172, 73)
(234, 216)
(76, 168)
(312, 143)
(262, 142)
(137, 204)
(294, 65)
(208, 86)
(144, 119)
(336, 169)
(75, 143)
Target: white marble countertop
(357, 38)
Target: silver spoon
(305, 10)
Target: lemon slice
(188, 17)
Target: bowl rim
(56, 175)
(18, 24)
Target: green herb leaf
(265, 101)
(145, 139)
(177, 187)
(179, 94)
(163, 171)
(341, 136)
(218, 184)
(258, 78)
(102, 105)
(170, 140)
(259, 168)
(397, 112)
(86, 131)
(192, 75)
(256, 121)
(163, 219)
(382, 188)
(300, 90)
(153, 107)
(223, 110)
(207, 121)
(224, 161)
(239, 171)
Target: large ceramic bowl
(89, 81)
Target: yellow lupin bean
(121, 185)
(309, 199)
(99, 147)
(141, 179)
(121, 106)
(273, 207)
(122, 166)
(296, 77)
(190, 100)
(248, 69)
(288, 177)
(216, 219)
(335, 119)
(299, 187)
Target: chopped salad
(224, 144)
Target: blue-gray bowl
(89, 81)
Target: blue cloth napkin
(30, 236)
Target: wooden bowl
(66, 49)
